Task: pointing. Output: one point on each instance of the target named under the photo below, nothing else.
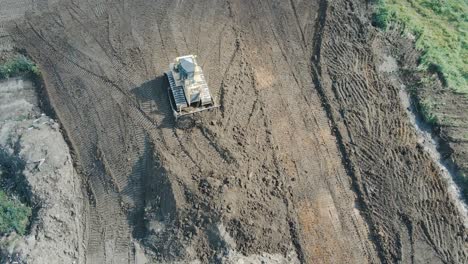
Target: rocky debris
(56, 231)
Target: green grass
(440, 28)
(17, 66)
(426, 108)
(380, 17)
(15, 205)
(14, 215)
(463, 182)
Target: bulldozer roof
(187, 64)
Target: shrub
(14, 215)
(17, 66)
(465, 187)
(426, 108)
(380, 18)
(463, 183)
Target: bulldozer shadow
(153, 99)
(185, 122)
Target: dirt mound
(50, 181)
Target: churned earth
(311, 157)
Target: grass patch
(14, 215)
(18, 65)
(380, 18)
(440, 28)
(463, 183)
(15, 200)
(426, 108)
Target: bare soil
(311, 158)
(448, 106)
(401, 186)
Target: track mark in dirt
(299, 27)
(369, 121)
(298, 118)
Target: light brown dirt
(36, 159)
(310, 156)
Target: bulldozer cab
(188, 89)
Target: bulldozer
(188, 89)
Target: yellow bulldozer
(188, 90)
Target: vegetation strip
(19, 65)
(439, 28)
(14, 214)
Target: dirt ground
(310, 158)
(448, 106)
(406, 199)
